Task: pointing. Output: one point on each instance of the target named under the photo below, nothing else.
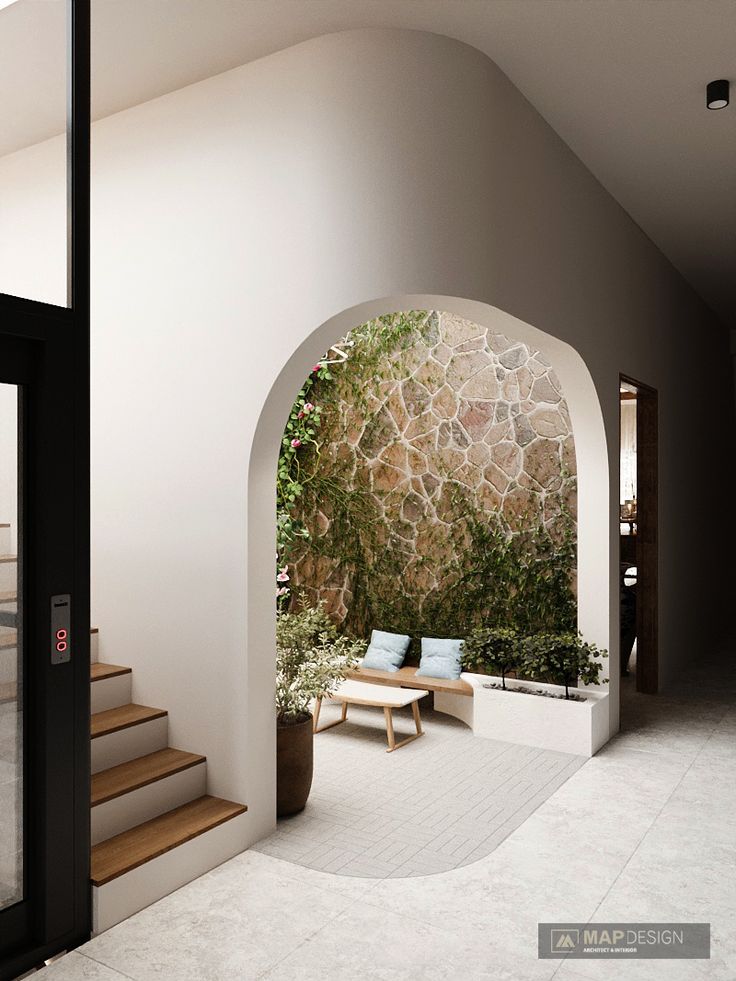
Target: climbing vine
(300, 466)
(518, 575)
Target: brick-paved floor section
(440, 802)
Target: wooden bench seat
(406, 678)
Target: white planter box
(533, 720)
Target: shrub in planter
(312, 658)
(564, 658)
(493, 650)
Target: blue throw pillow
(386, 652)
(440, 658)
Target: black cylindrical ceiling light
(716, 94)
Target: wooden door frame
(647, 546)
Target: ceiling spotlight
(717, 94)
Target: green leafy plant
(519, 575)
(563, 658)
(312, 658)
(493, 650)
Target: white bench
(380, 696)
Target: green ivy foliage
(301, 467)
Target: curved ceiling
(621, 81)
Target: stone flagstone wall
(462, 406)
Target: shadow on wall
(427, 482)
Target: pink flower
(300, 415)
(283, 575)
(295, 444)
(282, 591)
(307, 408)
(316, 368)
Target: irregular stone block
(508, 456)
(459, 437)
(455, 330)
(445, 403)
(542, 461)
(523, 430)
(462, 367)
(416, 397)
(476, 417)
(515, 357)
(544, 391)
(483, 384)
(431, 375)
(442, 353)
(547, 422)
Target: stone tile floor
(646, 830)
(438, 803)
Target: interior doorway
(638, 514)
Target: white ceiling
(622, 81)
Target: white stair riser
(8, 576)
(94, 646)
(8, 665)
(5, 536)
(110, 693)
(140, 887)
(129, 744)
(129, 810)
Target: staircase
(154, 827)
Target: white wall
(231, 220)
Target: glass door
(44, 483)
(12, 816)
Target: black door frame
(46, 349)
(647, 546)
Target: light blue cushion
(440, 658)
(386, 652)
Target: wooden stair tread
(115, 719)
(100, 671)
(131, 849)
(8, 558)
(9, 597)
(406, 678)
(125, 777)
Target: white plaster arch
(594, 578)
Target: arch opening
(580, 409)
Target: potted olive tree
(563, 658)
(312, 658)
(493, 650)
(542, 706)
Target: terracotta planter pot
(294, 766)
